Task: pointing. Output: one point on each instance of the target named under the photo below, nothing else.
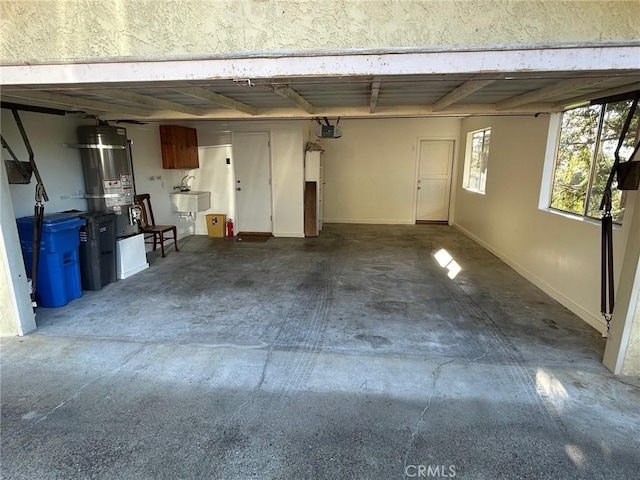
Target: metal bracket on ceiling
(33, 108)
(245, 82)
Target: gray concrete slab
(352, 355)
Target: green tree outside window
(585, 155)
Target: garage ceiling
(348, 96)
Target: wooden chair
(149, 227)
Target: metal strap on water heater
(109, 195)
(97, 146)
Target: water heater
(108, 175)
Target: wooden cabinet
(179, 147)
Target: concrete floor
(350, 356)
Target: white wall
(287, 167)
(287, 162)
(160, 183)
(622, 353)
(631, 363)
(217, 177)
(59, 167)
(558, 253)
(151, 178)
(16, 314)
(370, 172)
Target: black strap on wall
(38, 212)
(607, 290)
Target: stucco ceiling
(319, 96)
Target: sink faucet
(184, 183)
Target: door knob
(238, 189)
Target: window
(584, 157)
(476, 159)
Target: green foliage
(573, 159)
(581, 173)
(477, 176)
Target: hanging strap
(41, 193)
(38, 211)
(607, 290)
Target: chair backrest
(144, 201)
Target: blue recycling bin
(58, 279)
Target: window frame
(468, 159)
(593, 166)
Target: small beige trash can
(216, 224)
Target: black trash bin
(97, 250)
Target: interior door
(251, 157)
(435, 161)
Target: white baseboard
(275, 234)
(369, 221)
(585, 315)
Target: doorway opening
(433, 182)
(252, 159)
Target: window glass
(573, 159)
(614, 117)
(585, 155)
(477, 161)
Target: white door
(253, 181)
(435, 160)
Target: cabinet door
(168, 145)
(179, 147)
(312, 166)
(191, 143)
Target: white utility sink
(192, 201)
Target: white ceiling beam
(293, 113)
(77, 102)
(204, 94)
(375, 91)
(147, 101)
(585, 99)
(550, 91)
(464, 90)
(295, 97)
(390, 62)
